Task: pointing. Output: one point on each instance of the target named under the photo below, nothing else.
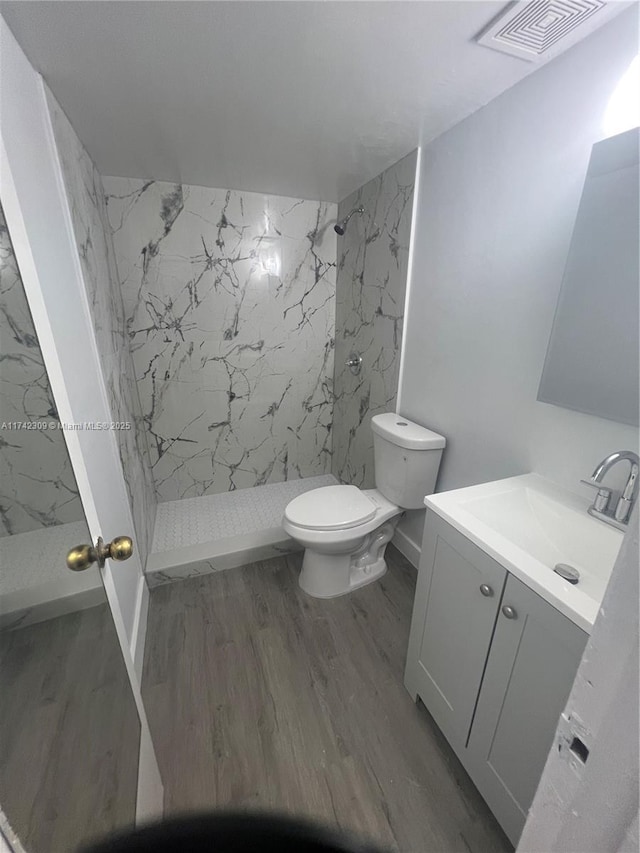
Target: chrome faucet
(601, 507)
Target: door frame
(39, 221)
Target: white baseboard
(407, 547)
(139, 632)
(150, 793)
(150, 796)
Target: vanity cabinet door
(534, 657)
(456, 604)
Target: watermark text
(52, 426)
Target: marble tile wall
(230, 303)
(370, 293)
(37, 485)
(97, 258)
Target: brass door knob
(83, 556)
(121, 548)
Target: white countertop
(529, 524)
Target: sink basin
(529, 525)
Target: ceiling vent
(540, 29)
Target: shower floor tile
(196, 536)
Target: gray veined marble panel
(230, 301)
(370, 294)
(95, 247)
(37, 486)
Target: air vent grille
(543, 27)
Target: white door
(38, 217)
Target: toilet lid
(330, 508)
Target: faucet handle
(623, 510)
(595, 485)
(601, 502)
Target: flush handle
(509, 612)
(82, 556)
(486, 590)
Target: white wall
(498, 198)
(39, 220)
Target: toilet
(345, 530)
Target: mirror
(592, 358)
(69, 729)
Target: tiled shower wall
(370, 293)
(85, 193)
(230, 303)
(37, 486)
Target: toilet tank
(407, 459)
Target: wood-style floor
(260, 697)
(69, 732)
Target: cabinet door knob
(509, 612)
(485, 589)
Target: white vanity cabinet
(493, 663)
(454, 614)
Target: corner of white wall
(407, 537)
(410, 272)
(37, 213)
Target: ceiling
(305, 99)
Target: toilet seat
(331, 508)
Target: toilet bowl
(345, 530)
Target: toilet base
(332, 575)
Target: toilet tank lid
(404, 433)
